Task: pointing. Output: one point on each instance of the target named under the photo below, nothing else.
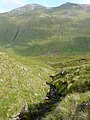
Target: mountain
(45, 63)
(37, 30)
(69, 5)
(26, 10)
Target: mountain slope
(74, 86)
(20, 80)
(34, 30)
(24, 78)
(29, 83)
(37, 30)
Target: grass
(24, 78)
(46, 42)
(60, 31)
(76, 92)
(20, 82)
(65, 110)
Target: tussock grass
(20, 82)
(24, 78)
(76, 92)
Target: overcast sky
(7, 5)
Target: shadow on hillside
(40, 110)
(48, 104)
(81, 43)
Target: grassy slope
(24, 78)
(77, 91)
(43, 32)
(20, 82)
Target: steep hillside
(45, 63)
(20, 82)
(73, 87)
(69, 94)
(37, 30)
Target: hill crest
(34, 6)
(37, 30)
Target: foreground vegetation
(74, 86)
(42, 47)
(24, 79)
(20, 82)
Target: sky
(7, 5)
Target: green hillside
(37, 30)
(45, 63)
(24, 79)
(74, 86)
(21, 79)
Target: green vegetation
(43, 31)
(36, 43)
(75, 86)
(24, 79)
(20, 82)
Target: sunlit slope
(24, 79)
(74, 86)
(20, 82)
(36, 30)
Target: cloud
(85, 1)
(6, 5)
(12, 2)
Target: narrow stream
(41, 109)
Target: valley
(45, 63)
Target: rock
(62, 72)
(24, 113)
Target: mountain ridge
(33, 6)
(43, 47)
(41, 31)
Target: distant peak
(69, 3)
(33, 6)
(28, 7)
